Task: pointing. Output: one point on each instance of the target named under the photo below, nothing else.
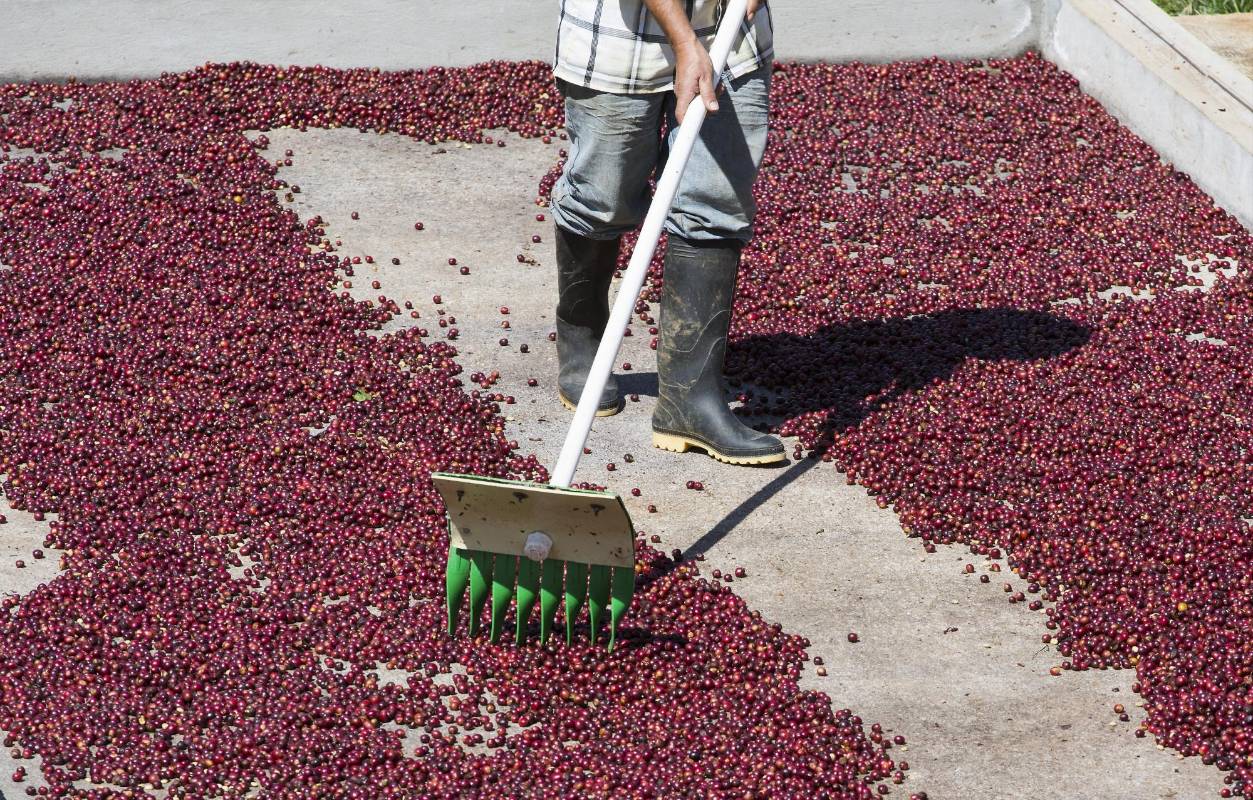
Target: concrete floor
(1229, 35)
(123, 39)
(943, 660)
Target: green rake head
(584, 542)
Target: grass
(1205, 6)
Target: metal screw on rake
(553, 540)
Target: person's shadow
(843, 373)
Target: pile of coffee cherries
(979, 296)
(971, 291)
(983, 299)
(238, 476)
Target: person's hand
(753, 5)
(693, 75)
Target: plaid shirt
(617, 46)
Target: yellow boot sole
(681, 444)
(600, 412)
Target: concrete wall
(106, 39)
(1193, 107)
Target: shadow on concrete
(745, 509)
(874, 363)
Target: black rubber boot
(698, 287)
(584, 271)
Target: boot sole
(681, 444)
(600, 412)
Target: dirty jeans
(615, 144)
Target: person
(624, 67)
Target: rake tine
(576, 590)
(598, 598)
(502, 591)
(480, 583)
(623, 588)
(457, 577)
(549, 594)
(528, 590)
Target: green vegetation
(1205, 6)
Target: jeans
(615, 144)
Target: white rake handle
(633, 279)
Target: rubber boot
(584, 271)
(699, 284)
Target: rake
(544, 542)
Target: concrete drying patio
(943, 660)
(1190, 103)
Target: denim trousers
(615, 144)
